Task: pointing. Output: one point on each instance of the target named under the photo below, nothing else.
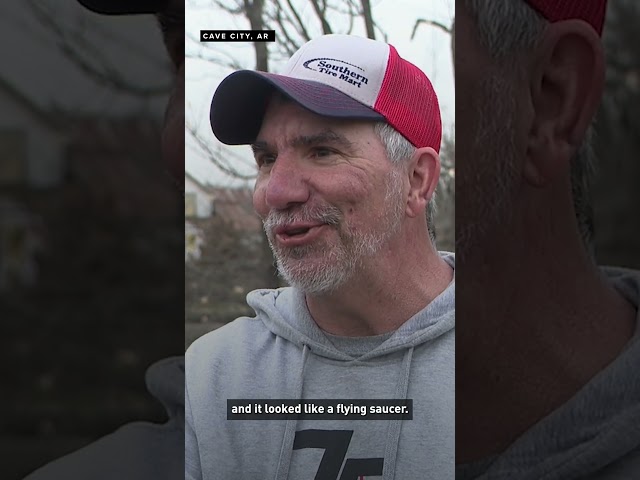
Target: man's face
(487, 165)
(329, 197)
(171, 21)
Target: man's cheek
(259, 203)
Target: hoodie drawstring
(282, 472)
(393, 434)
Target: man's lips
(298, 233)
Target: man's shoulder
(238, 335)
(225, 337)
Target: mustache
(324, 213)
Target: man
(143, 450)
(346, 141)
(546, 373)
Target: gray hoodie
(595, 435)
(281, 353)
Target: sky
(429, 50)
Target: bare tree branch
(368, 19)
(208, 54)
(205, 149)
(239, 10)
(299, 23)
(285, 22)
(326, 28)
(431, 23)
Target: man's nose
(286, 185)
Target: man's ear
(424, 173)
(567, 81)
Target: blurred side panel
(91, 234)
(547, 239)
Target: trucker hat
(339, 76)
(591, 11)
(124, 7)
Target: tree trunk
(368, 19)
(254, 11)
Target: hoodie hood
(596, 434)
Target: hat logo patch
(338, 69)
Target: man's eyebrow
(326, 136)
(259, 146)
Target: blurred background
(91, 244)
(616, 195)
(226, 253)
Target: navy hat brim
(240, 101)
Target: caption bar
(324, 409)
(237, 35)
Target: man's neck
(380, 299)
(536, 321)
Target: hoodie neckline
(284, 312)
(357, 346)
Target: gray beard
(319, 268)
(491, 176)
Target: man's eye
(321, 152)
(266, 160)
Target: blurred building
(198, 199)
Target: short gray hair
(507, 28)
(399, 150)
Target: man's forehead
(305, 137)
